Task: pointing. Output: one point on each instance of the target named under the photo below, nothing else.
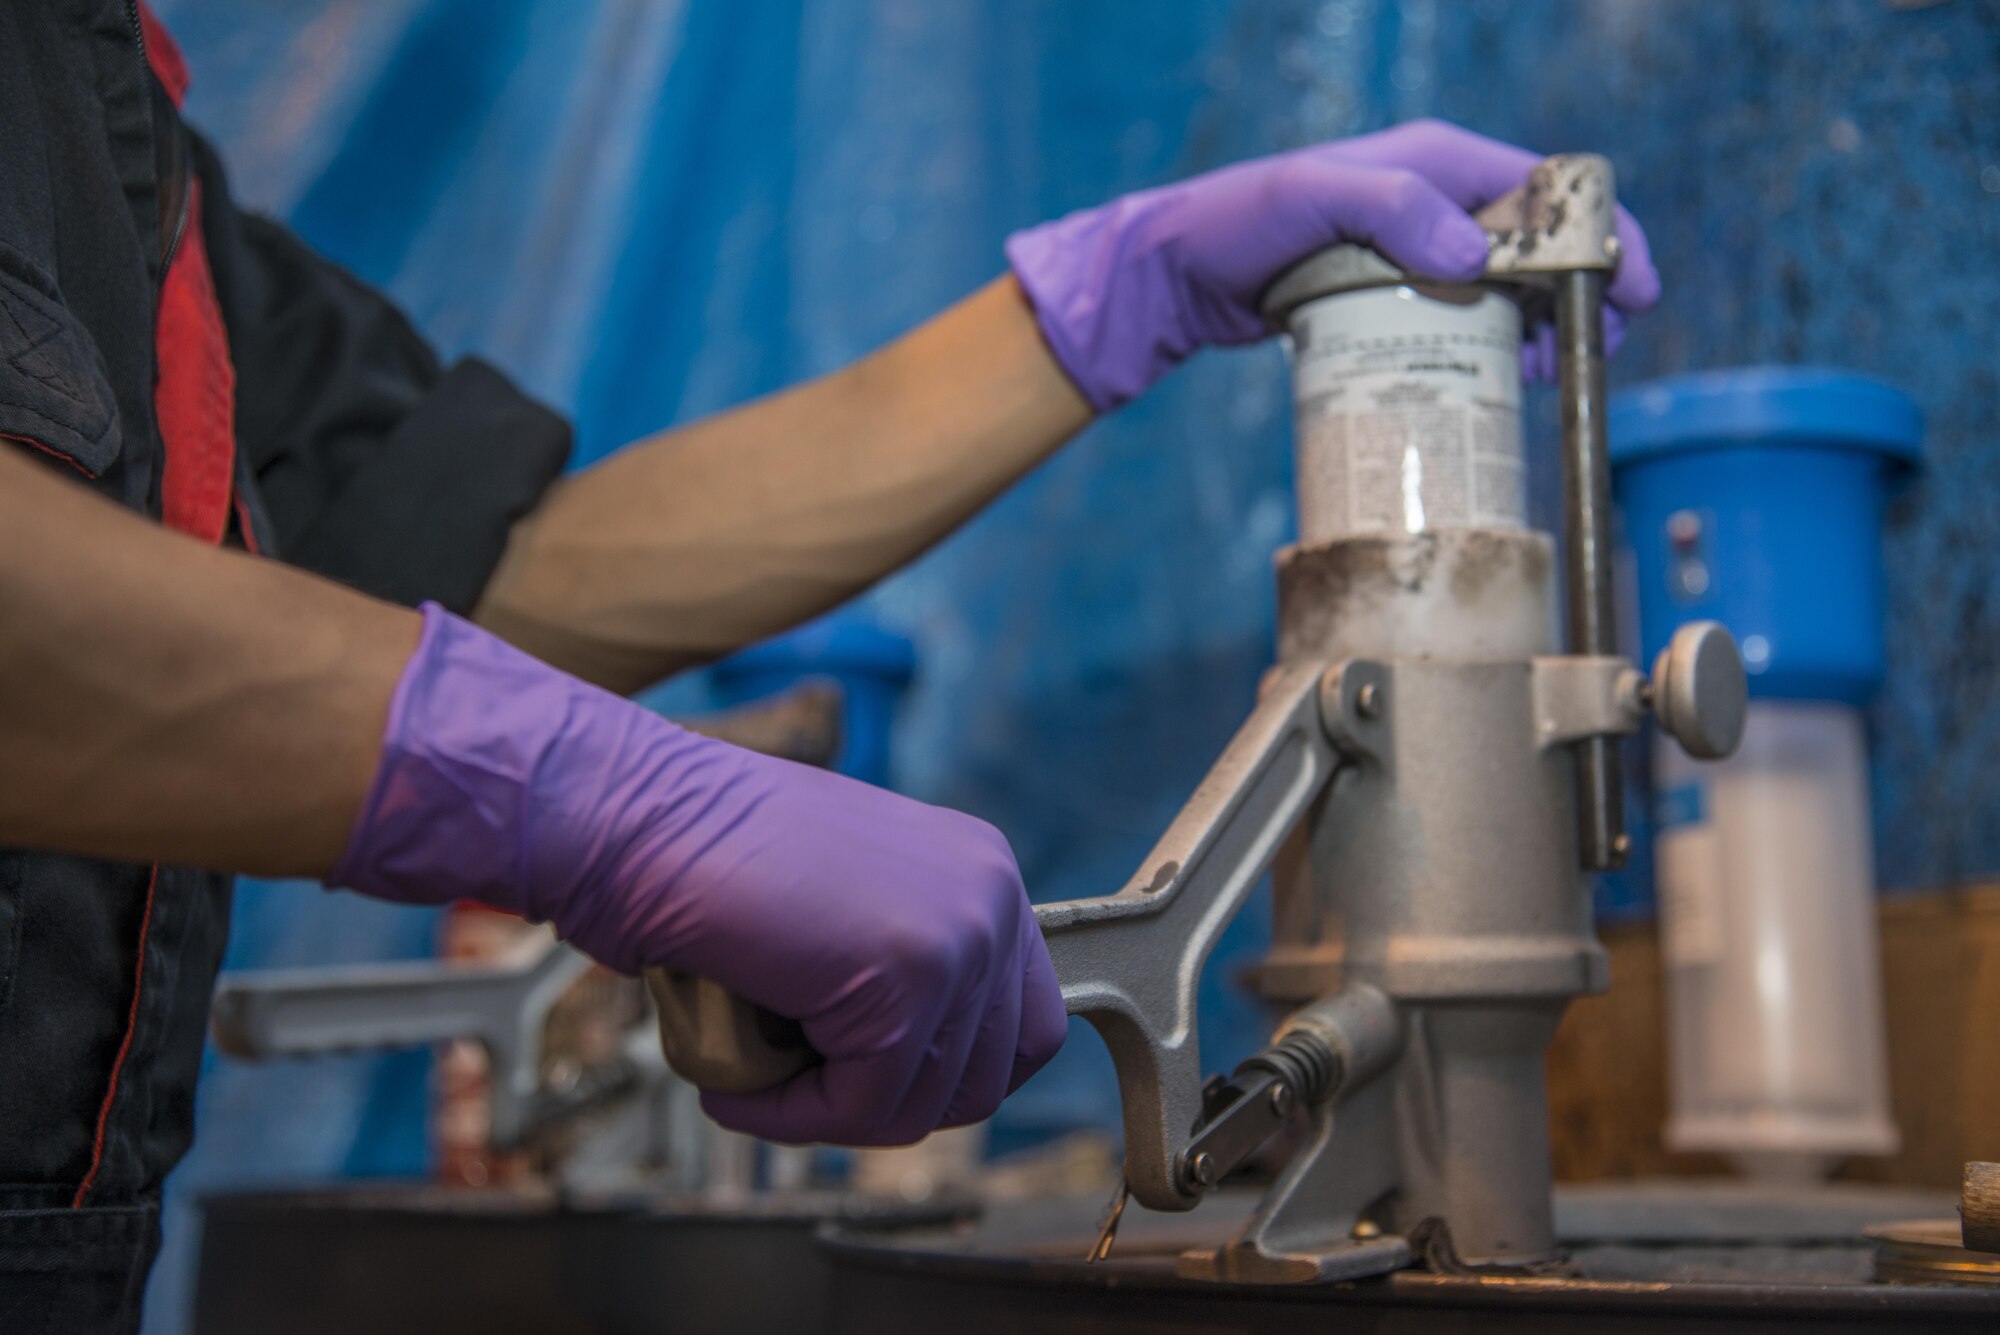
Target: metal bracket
(1577, 697)
(1130, 962)
(1308, 1228)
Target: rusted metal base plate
(1648, 1258)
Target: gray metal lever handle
(710, 1038)
(715, 1040)
(306, 1012)
(1130, 963)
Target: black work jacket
(355, 454)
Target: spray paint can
(1408, 412)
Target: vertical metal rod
(1600, 797)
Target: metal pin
(1107, 1229)
(1587, 515)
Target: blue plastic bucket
(872, 666)
(1754, 497)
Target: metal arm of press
(1131, 963)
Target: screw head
(1281, 1100)
(1201, 1169)
(1621, 847)
(1367, 700)
(1365, 1228)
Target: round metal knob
(1699, 690)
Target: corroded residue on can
(1483, 555)
(1425, 593)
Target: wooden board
(1941, 977)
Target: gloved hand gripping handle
(717, 1041)
(1130, 963)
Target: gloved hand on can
(1126, 291)
(898, 934)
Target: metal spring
(1303, 1060)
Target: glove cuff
(446, 816)
(1104, 300)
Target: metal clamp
(1336, 1044)
(1579, 697)
(1130, 962)
(1563, 219)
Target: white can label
(1408, 414)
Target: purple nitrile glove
(1125, 292)
(897, 933)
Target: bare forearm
(163, 700)
(703, 539)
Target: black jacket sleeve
(374, 464)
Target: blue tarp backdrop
(648, 210)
